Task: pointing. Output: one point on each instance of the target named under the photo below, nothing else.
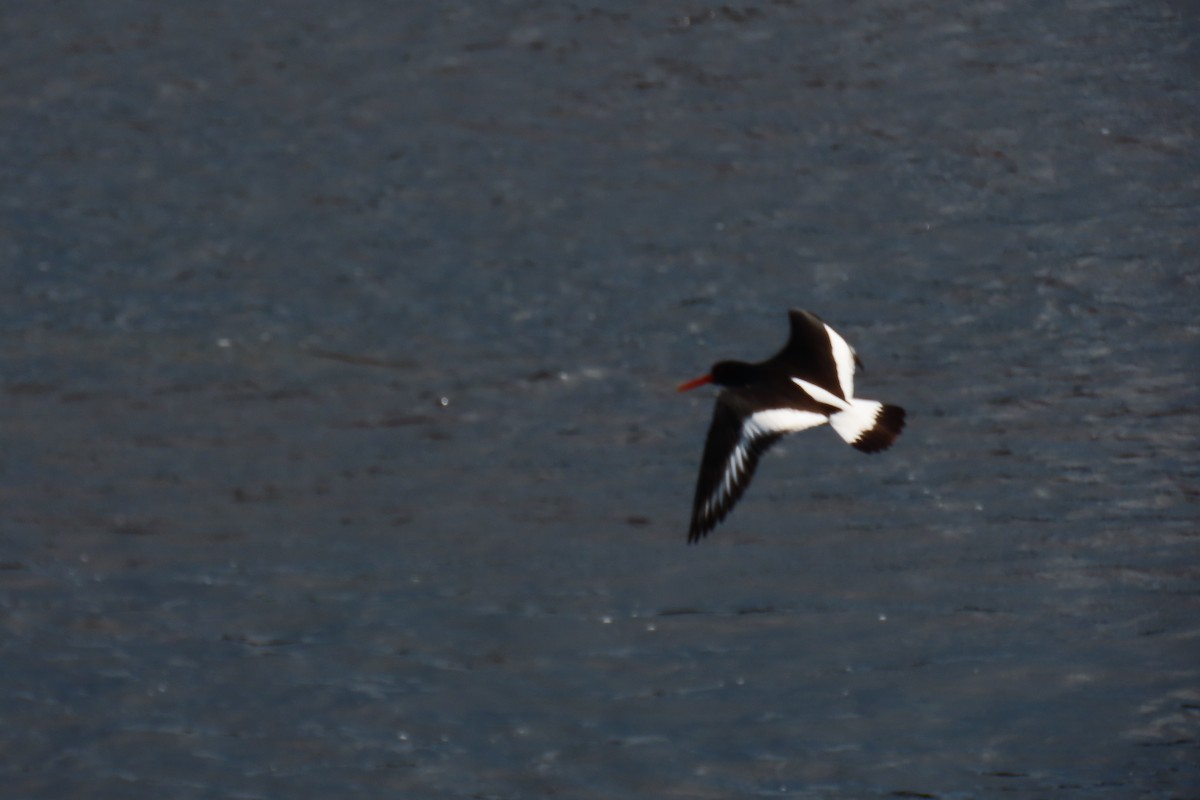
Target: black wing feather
(713, 502)
(808, 353)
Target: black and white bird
(807, 383)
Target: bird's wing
(818, 354)
(731, 453)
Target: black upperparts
(808, 353)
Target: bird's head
(723, 373)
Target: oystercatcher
(807, 383)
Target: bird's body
(808, 383)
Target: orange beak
(692, 384)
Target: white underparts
(779, 420)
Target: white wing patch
(843, 358)
(779, 420)
(755, 426)
(820, 395)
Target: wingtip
(702, 524)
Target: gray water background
(341, 457)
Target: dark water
(341, 456)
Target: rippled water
(343, 457)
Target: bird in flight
(808, 383)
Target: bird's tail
(869, 425)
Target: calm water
(342, 456)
